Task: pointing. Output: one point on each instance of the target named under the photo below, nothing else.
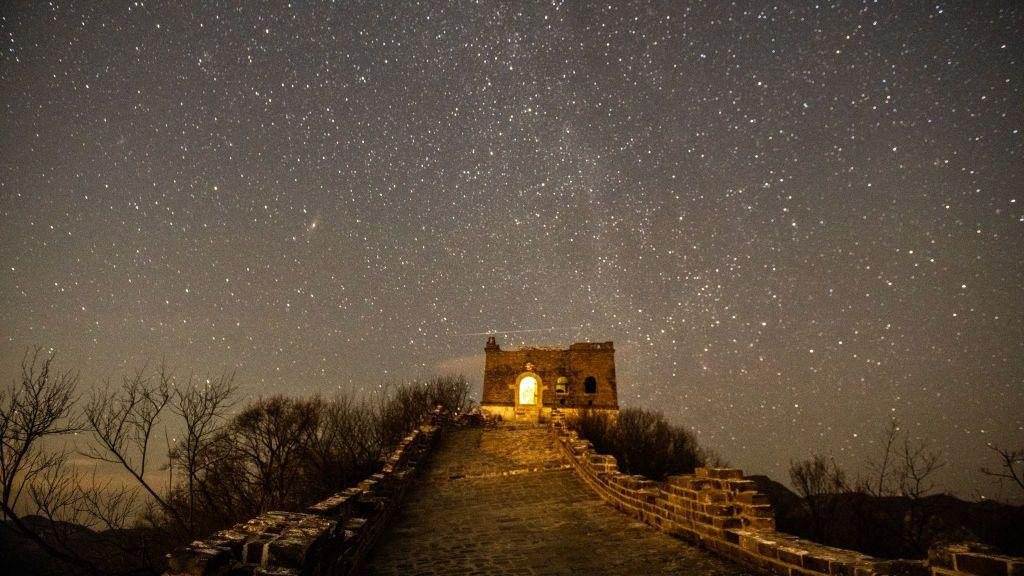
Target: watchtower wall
(577, 377)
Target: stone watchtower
(527, 383)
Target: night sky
(795, 221)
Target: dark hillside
(875, 525)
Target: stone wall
(723, 512)
(330, 537)
(575, 363)
(955, 559)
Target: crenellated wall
(330, 537)
(715, 507)
(723, 512)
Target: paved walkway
(503, 501)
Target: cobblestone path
(503, 501)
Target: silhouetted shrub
(396, 406)
(283, 453)
(276, 453)
(642, 441)
(818, 481)
(894, 511)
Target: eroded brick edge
(723, 512)
(330, 537)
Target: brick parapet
(723, 512)
(329, 537)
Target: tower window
(590, 385)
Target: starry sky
(795, 220)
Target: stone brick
(942, 555)
(680, 480)
(750, 497)
(726, 522)
(699, 484)
(741, 485)
(336, 505)
(275, 571)
(981, 564)
(252, 551)
(893, 568)
(722, 510)
(232, 539)
(748, 541)
(577, 363)
(791, 555)
(706, 496)
(817, 562)
(760, 524)
(199, 560)
(719, 473)
(768, 548)
(298, 542)
(759, 511)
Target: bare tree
(69, 499)
(32, 410)
(343, 441)
(818, 481)
(282, 453)
(906, 469)
(106, 505)
(881, 470)
(122, 421)
(918, 464)
(272, 435)
(37, 408)
(276, 453)
(1011, 465)
(202, 407)
(55, 493)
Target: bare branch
(1011, 463)
(35, 408)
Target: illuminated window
(562, 386)
(528, 390)
(590, 385)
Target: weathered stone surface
(297, 542)
(275, 571)
(719, 473)
(524, 499)
(719, 508)
(577, 364)
(471, 516)
(199, 560)
(331, 537)
(981, 564)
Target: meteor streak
(490, 332)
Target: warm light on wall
(528, 390)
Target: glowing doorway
(528, 390)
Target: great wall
(525, 494)
(532, 498)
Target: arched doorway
(528, 390)
(528, 393)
